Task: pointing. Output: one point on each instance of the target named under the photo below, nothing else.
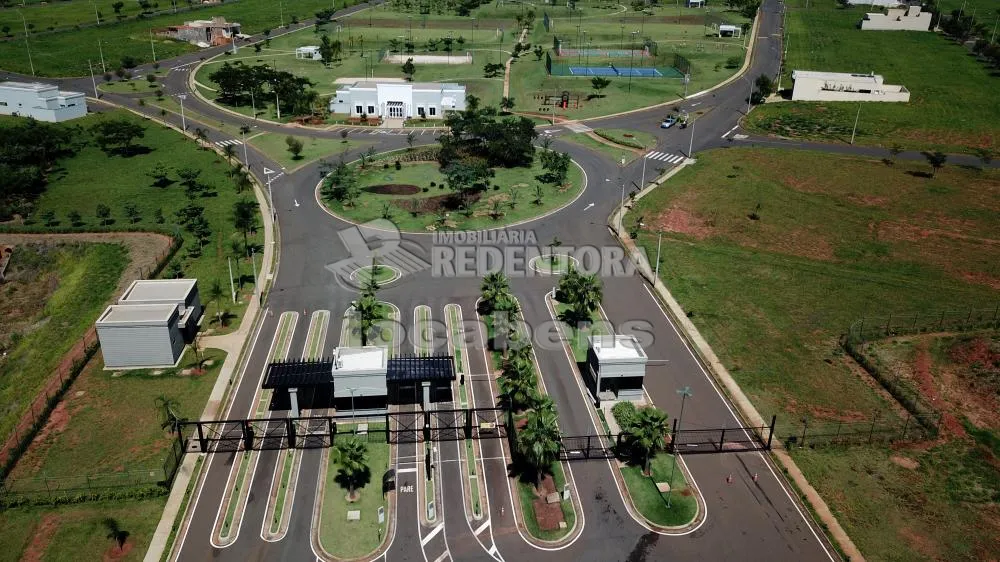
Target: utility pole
(151, 46)
(691, 144)
(232, 288)
(92, 81)
(97, 14)
(656, 275)
(281, 11)
(184, 126)
(684, 392)
(856, 117)
(243, 133)
(253, 262)
(277, 105)
(100, 50)
(27, 45)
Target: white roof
(308, 48)
(138, 314)
(159, 290)
(435, 86)
(33, 86)
(841, 76)
(617, 347)
(360, 359)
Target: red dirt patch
(548, 515)
(905, 462)
(929, 389)
(115, 553)
(923, 545)
(681, 221)
(393, 189)
(40, 538)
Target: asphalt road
(748, 517)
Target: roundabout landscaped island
(485, 173)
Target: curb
(734, 394)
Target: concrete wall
(808, 89)
(140, 346)
(898, 19)
(363, 384)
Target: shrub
(434, 183)
(425, 190)
(624, 413)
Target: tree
(518, 384)
(326, 50)
(985, 155)
(764, 85)
(201, 135)
(505, 309)
(352, 456)
(171, 421)
(160, 175)
(936, 159)
(117, 135)
(215, 295)
(646, 433)
(538, 442)
(506, 103)
(494, 286)
(48, 217)
(539, 194)
(189, 179)
(371, 285)
(582, 293)
(244, 218)
(410, 138)
(539, 51)
(295, 147)
(131, 211)
(115, 532)
(229, 151)
(74, 218)
(117, 6)
(369, 312)
(103, 213)
(599, 83)
(409, 69)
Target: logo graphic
(378, 239)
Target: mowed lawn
(952, 105)
(773, 295)
(92, 432)
(65, 53)
(354, 539)
(76, 532)
(276, 147)
(63, 289)
(92, 177)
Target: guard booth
(616, 366)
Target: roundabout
(553, 264)
(383, 275)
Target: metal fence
(877, 430)
(877, 327)
(52, 488)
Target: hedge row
(112, 494)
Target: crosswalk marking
(232, 142)
(431, 535)
(665, 157)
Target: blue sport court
(613, 71)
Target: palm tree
(115, 532)
(169, 406)
(237, 252)
(646, 433)
(369, 312)
(589, 293)
(201, 135)
(245, 218)
(517, 392)
(505, 308)
(371, 285)
(494, 286)
(538, 442)
(229, 151)
(352, 456)
(216, 294)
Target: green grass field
(773, 295)
(82, 184)
(526, 492)
(957, 114)
(63, 288)
(94, 434)
(627, 137)
(76, 532)
(612, 153)
(648, 499)
(276, 148)
(507, 180)
(354, 539)
(65, 53)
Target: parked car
(668, 122)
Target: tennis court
(612, 70)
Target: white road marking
(431, 535)
(588, 206)
(482, 527)
(405, 470)
(727, 133)
(296, 202)
(228, 142)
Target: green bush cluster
(115, 494)
(624, 413)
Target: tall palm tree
(245, 218)
(352, 456)
(647, 432)
(371, 285)
(169, 406)
(369, 312)
(237, 252)
(229, 151)
(538, 442)
(589, 293)
(115, 532)
(215, 295)
(494, 286)
(505, 309)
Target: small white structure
(204, 33)
(405, 100)
(150, 324)
(309, 52)
(41, 101)
(726, 30)
(695, 3)
(898, 19)
(839, 86)
(617, 365)
(878, 3)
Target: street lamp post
(100, 51)
(151, 46)
(749, 93)
(184, 126)
(27, 45)
(92, 81)
(684, 392)
(277, 104)
(656, 274)
(691, 144)
(856, 117)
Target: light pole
(691, 144)
(472, 45)
(749, 93)
(684, 392)
(243, 133)
(100, 50)
(856, 117)
(277, 104)
(97, 15)
(253, 105)
(27, 45)
(656, 275)
(92, 81)
(631, 59)
(184, 126)
(151, 46)
(270, 197)
(644, 158)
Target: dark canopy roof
(412, 368)
(299, 373)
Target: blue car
(668, 122)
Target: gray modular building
(616, 366)
(151, 323)
(398, 100)
(141, 335)
(44, 102)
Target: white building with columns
(399, 100)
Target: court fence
(602, 67)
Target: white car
(668, 122)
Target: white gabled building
(41, 101)
(898, 19)
(308, 52)
(398, 100)
(841, 86)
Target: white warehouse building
(41, 101)
(402, 100)
(898, 19)
(841, 86)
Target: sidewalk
(707, 357)
(233, 345)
